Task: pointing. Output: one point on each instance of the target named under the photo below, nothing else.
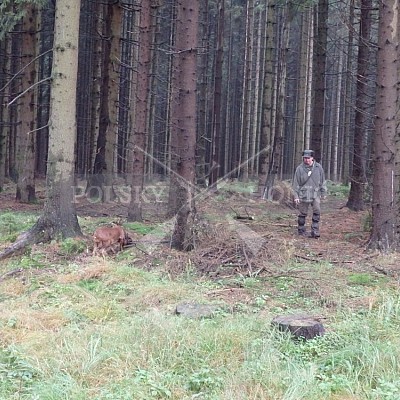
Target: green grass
(365, 279)
(71, 246)
(139, 227)
(237, 186)
(78, 327)
(110, 332)
(159, 355)
(11, 224)
(338, 190)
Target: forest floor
(241, 236)
(90, 327)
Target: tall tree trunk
(3, 110)
(100, 183)
(95, 93)
(151, 158)
(338, 106)
(113, 66)
(202, 97)
(358, 177)
(43, 110)
(26, 135)
(246, 101)
(183, 121)
(141, 118)
(275, 161)
(303, 86)
(171, 139)
(15, 67)
(319, 63)
(58, 218)
(268, 120)
(347, 120)
(228, 167)
(88, 79)
(259, 61)
(384, 199)
(217, 131)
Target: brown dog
(106, 238)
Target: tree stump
(301, 326)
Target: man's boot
(301, 221)
(315, 226)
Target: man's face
(308, 160)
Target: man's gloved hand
(323, 197)
(296, 201)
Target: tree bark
(246, 99)
(275, 161)
(269, 116)
(43, 110)
(25, 131)
(58, 218)
(141, 117)
(217, 130)
(183, 121)
(348, 117)
(100, 183)
(202, 97)
(4, 60)
(358, 176)
(384, 199)
(319, 89)
(303, 110)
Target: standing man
(309, 187)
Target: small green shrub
(237, 187)
(139, 227)
(338, 190)
(11, 224)
(362, 279)
(71, 246)
(15, 372)
(8, 224)
(9, 227)
(204, 380)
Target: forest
(148, 231)
(120, 93)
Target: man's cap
(308, 153)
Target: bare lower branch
(37, 129)
(28, 89)
(23, 68)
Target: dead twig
(247, 217)
(249, 265)
(11, 273)
(306, 258)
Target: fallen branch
(380, 270)
(247, 217)
(306, 258)
(10, 273)
(321, 259)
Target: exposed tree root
(33, 236)
(43, 231)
